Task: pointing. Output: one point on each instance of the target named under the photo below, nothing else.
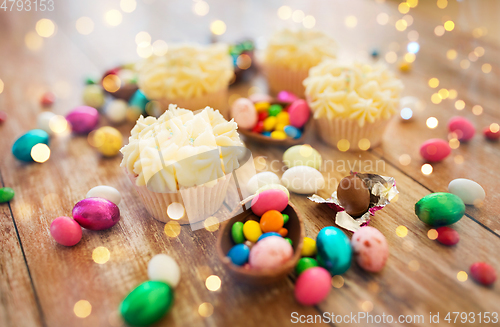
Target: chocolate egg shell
(96, 213)
(353, 195)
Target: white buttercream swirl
(359, 91)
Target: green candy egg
(304, 264)
(302, 155)
(6, 194)
(289, 240)
(275, 109)
(285, 218)
(22, 147)
(237, 232)
(334, 250)
(440, 209)
(147, 303)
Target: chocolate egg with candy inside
(353, 195)
(96, 213)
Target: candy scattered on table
(6, 194)
(21, 149)
(435, 150)
(47, 99)
(467, 190)
(447, 236)
(305, 263)
(440, 209)
(272, 199)
(138, 101)
(93, 96)
(303, 180)
(334, 250)
(260, 180)
(491, 132)
(370, 248)
(164, 268)
(239, 254)
(107, 140)
(66, 231)
(83, 119)
(308, 247)
(353, 195)
(483, 273)
(105, 192)
(269, 253)
(302, 155)
(96, 213)
(116, 111)
(462, 127)
(313, 286)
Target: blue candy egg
(239, 254)
(139, 100)
(267, 235)
(266, 134)
(292, 131)
(334, 250)
(22, 147)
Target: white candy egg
(164, 268)
(303, 180)
(116, 111)
(105, 192)
(262, 179)
(469, 191)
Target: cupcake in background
(352, 103)
(289, 56)
(191, 76)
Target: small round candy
(244, 113)
(6, 194)
(83, 119)
(275, 109)
(272, 199)
(269, 123)
(116, 111)
(259, 127)
(462, 127)
(268, 134)
(285, 218)
(289, 240)
(313, 286)
(283, 118)
(299, 113)
(263, 115)
(3, 116)
(66, 231)
(283, 232)
(447, 236)
(43, 121)
(278, 135)
(251, 230)
(96, 213)
(262, 106)
(286, 96)
(305, 263)
(309, 247)
(93, 96)
(271, 221)
(47, 99)
(105, 192)
(491, 132)
(271, 252)
(483, 273)
(108, 141)
(263, 236)
(435, 150)
(292, 132)
(239, 254)
(164, 268)
(237, 232)
(375, 53)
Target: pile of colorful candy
(282, 118)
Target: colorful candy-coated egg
(262, 106)
(239, 254)
(462, 127)
(292, 132)
(273, 187)
(6, 194)
(278, 135)
(260, 97)
(299, 113)
(147, 303)
(491, 132)
(404, 66)
(268, 134)
(283, 118)
(163, 268)
(286, 96)
(96, 213)
(434, 150)
(305, 263)
(244, 113)
(283, 232)
(285, 218)
(271, 221)
(280, 127)
(269, 253)
(47, 99)
(3, 116)
(275, 109)
(66, 231)
(313, 286)
(237, 232)
(21, 149)
(262, 179)
(116, 111)
(252, 231)
(334, 250)
(469, 191)
(440, 209)
(93, 96)
(483, 273)
(259, 127)
(302, 180)
(289, 240)
(108, 141)
(138, 100)
(269, 123)
(447, 236)
(302, 155)
(272, 199)
(83, 119)
(43, 121)
(263, 236)
(105, 192)
(262, 115)
(370, 248)
(309, 247)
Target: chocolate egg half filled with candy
(353, 195)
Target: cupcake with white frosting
(191, 76)
(182, 157)
(290, 54)
(352, 103)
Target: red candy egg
(259, 128)
(447, 236)
(492, 132)
(461, 126)
(263, 115)
(299, 113)
(434, 150)
(483, 273)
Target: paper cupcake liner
(216, 100)
(332, 131)
(285, 79)
(199, 202)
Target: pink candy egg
(66, 231)
(483, 273)
(286, 96)
(270, 252)
(83, 119)
(313, 286)
(299, 113)
(273, 199)
(370, 248)
(96, 213)
(244, 113)
(435, 150)
(462, 127)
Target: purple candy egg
(83, 119)
(96, 213)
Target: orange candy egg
(283, 232)
(271, 221)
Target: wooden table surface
(42, 281)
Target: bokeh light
(201, 8)
(444, 93)
(459, 104)
(145, 52)
(298, 16)
(82, 309)
(244, 61)
(309, 21)
(40, 152)
(464, 64)
(343, 145)
(33, 41)
(45, 27)
(351, 21)
(403, 8)
(413, 265)
(426, 169)
(451, 54)
(412, 3)
(58, 124)
(405, 159)
(367, 306)
(206, 309)
(462, 276)
(439, 30)
(401, 231)
(143, 39)
(364, 144)
(401, 25)
(284, 12)
(433, 82)
(1, 86)
(410, 57)
(413, 36)
(408, 19)
(477, 110)
(442, 4)
(211, 224)
(479, 51)
(218, 27)
(84, 25)
(128, 6)
(172, 229)
(449, 25)
(213, 283)
(452, 94)
(413, 47)
(494, 128)
(432, 234)
(406, 113)
(486, 68)
(382, 18)
(111, 83)
(454, 143)
(175, 210)
(160, 48)
(432, 122)
(100, 255)
(113, 17)
(337, 281)
(436, 99)
(458, 159)
(391, 57)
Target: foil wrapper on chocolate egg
(382, 190)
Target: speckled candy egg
(334, 250)
(273, 199)
(83, 119)
(21, 149)
(302, 155)
(303, 180)
(469, 191)
(66, 231)
(262, 179)
(299, 113)
(434, 150)
(244, 113)
(462, 127)
(269, 253)
(312, 286)
(105, 192)
(370, 248)
(96, 213)
(440, 209)
(164, 268)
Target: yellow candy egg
(252, 231)
(280, 127)
(269, 123)
(108, 141)
(278, 135)
(404, 66)
(262, 106)
(283, 118)
(309, 247)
